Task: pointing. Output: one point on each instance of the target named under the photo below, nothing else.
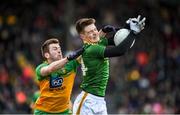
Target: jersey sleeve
(38, 71)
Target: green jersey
(95, 68)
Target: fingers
(128, 21)
(142, 28)
(142, 21)
(138, 18)
(136, 24)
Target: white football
(120, 36)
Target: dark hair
(82, 23)
(45, 46)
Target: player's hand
(75, 54)
(108, 28)
(135, 24)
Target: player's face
(55, 52)
(90, 34)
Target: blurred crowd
(145, 80)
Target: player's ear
(46, 55)
(81, 36)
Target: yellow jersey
(56, 88)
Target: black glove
(75, 54)
(108, 28)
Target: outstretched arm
(53, 66)
(121, 48)
(134, 26)
(60, 63)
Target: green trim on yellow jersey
(56, 88)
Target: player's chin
(58, 58)
(95, 39)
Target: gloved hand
(75, 54)
(135, 24)
(108, 28)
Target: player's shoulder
(103, 41)
(41, 65)
(91, 46)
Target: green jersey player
(95, 63)
(95, 68)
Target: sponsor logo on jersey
(55, 81)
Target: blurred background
(145, 80)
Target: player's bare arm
(53, 66)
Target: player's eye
(55, 48)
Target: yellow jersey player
(95, 63)
(56, 77)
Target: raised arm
(53, 66)
(60, 63)
(134, 27)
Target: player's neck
(49, 61)
(89, 42)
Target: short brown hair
(45, 46)
(82, 23)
